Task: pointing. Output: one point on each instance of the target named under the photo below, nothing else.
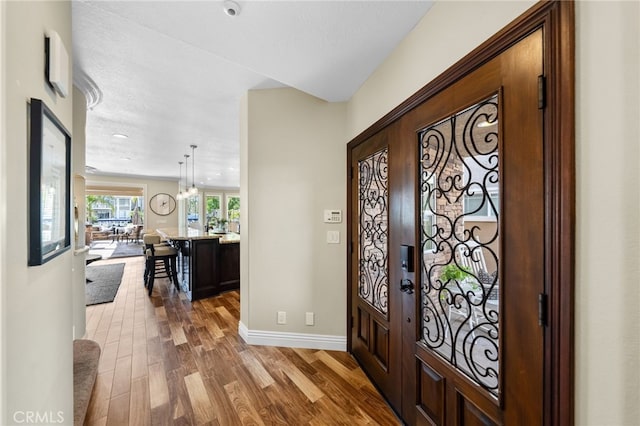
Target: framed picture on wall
(49, 185)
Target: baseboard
(292, 340)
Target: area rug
(127, 250)
(103, 282)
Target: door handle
(406, 286)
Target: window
(118, 210)
(475, 204)
(373, 232)
(213, 207)
(123, 208)
(459, 165)
(481, 200)
(428, 214)
(233, 208)
(193, 210)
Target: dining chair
(134, 234)
(160, 262)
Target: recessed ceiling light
(120, 136)
(126, 158)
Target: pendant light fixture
(180, 195)
(185, 194)
(193, 190)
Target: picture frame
(49, 204)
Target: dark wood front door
(451, 246)
(479, 346)
(374, 312)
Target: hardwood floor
(167, 361)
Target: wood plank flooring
(167, 361)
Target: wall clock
(162, 204)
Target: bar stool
(160, 262)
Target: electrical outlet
(309, 318)
(282, 317)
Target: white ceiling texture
(169, 74)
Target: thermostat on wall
(332, 216)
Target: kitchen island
(207, 264)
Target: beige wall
(245, 231)
(152, 186)
(78, 200)
(37, 303)
(294, 157)
(3, 212)
(450, 30)
(607, 208)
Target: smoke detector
(231, 8)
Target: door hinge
(352, 322)
(351, 247)
(543, 304)
(542, 92)
(351, 173)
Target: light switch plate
(333, 237)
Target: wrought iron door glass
(373, 214)
(459, 185)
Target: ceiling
(169, 74)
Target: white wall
(37, 301)
(608, 234)
(294, 157)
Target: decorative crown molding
(88, 87)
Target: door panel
(374, 308)
(481, 240)
(431, 395)
(464, 186)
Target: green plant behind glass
(453, 272)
